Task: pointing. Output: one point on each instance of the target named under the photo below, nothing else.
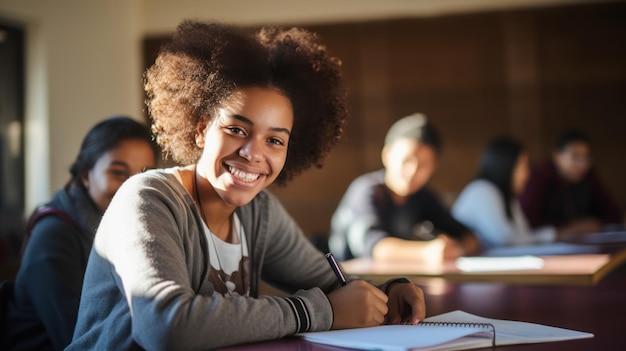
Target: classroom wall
(83, 64)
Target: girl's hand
(358, 304)
(406, 304)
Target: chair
(6, 294)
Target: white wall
(161, 16)
(83, 64)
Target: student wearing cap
(391, 214)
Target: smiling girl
(180, 252)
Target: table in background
(570, 269)
(599, 309)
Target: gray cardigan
(147, 287)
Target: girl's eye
(275, 141)
(236, 130)
(120, 173)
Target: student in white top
(489, 205)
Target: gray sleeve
(291, 261)
(292, 264)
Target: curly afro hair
(199, 68)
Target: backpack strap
(46, 211)
(38, 214)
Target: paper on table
(443, 337)
(398, 337)
(546, 249)
(514, 332)
(489, 264)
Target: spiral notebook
(455, 330)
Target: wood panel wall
(527, 73)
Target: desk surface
(598, 309)
(586, 269)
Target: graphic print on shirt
(229, 263)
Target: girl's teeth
(246, 177)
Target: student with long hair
(42, 313)
(489, 205)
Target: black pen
(335, 266)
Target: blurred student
(565, 190)
(391, 214)
(489, 205)
(47, 290)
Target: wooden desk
(599, 309)
(587, 269)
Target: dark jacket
(549, 200)
(367, 214)
(42, 313)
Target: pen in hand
(335, 266)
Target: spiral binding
(467, 325)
